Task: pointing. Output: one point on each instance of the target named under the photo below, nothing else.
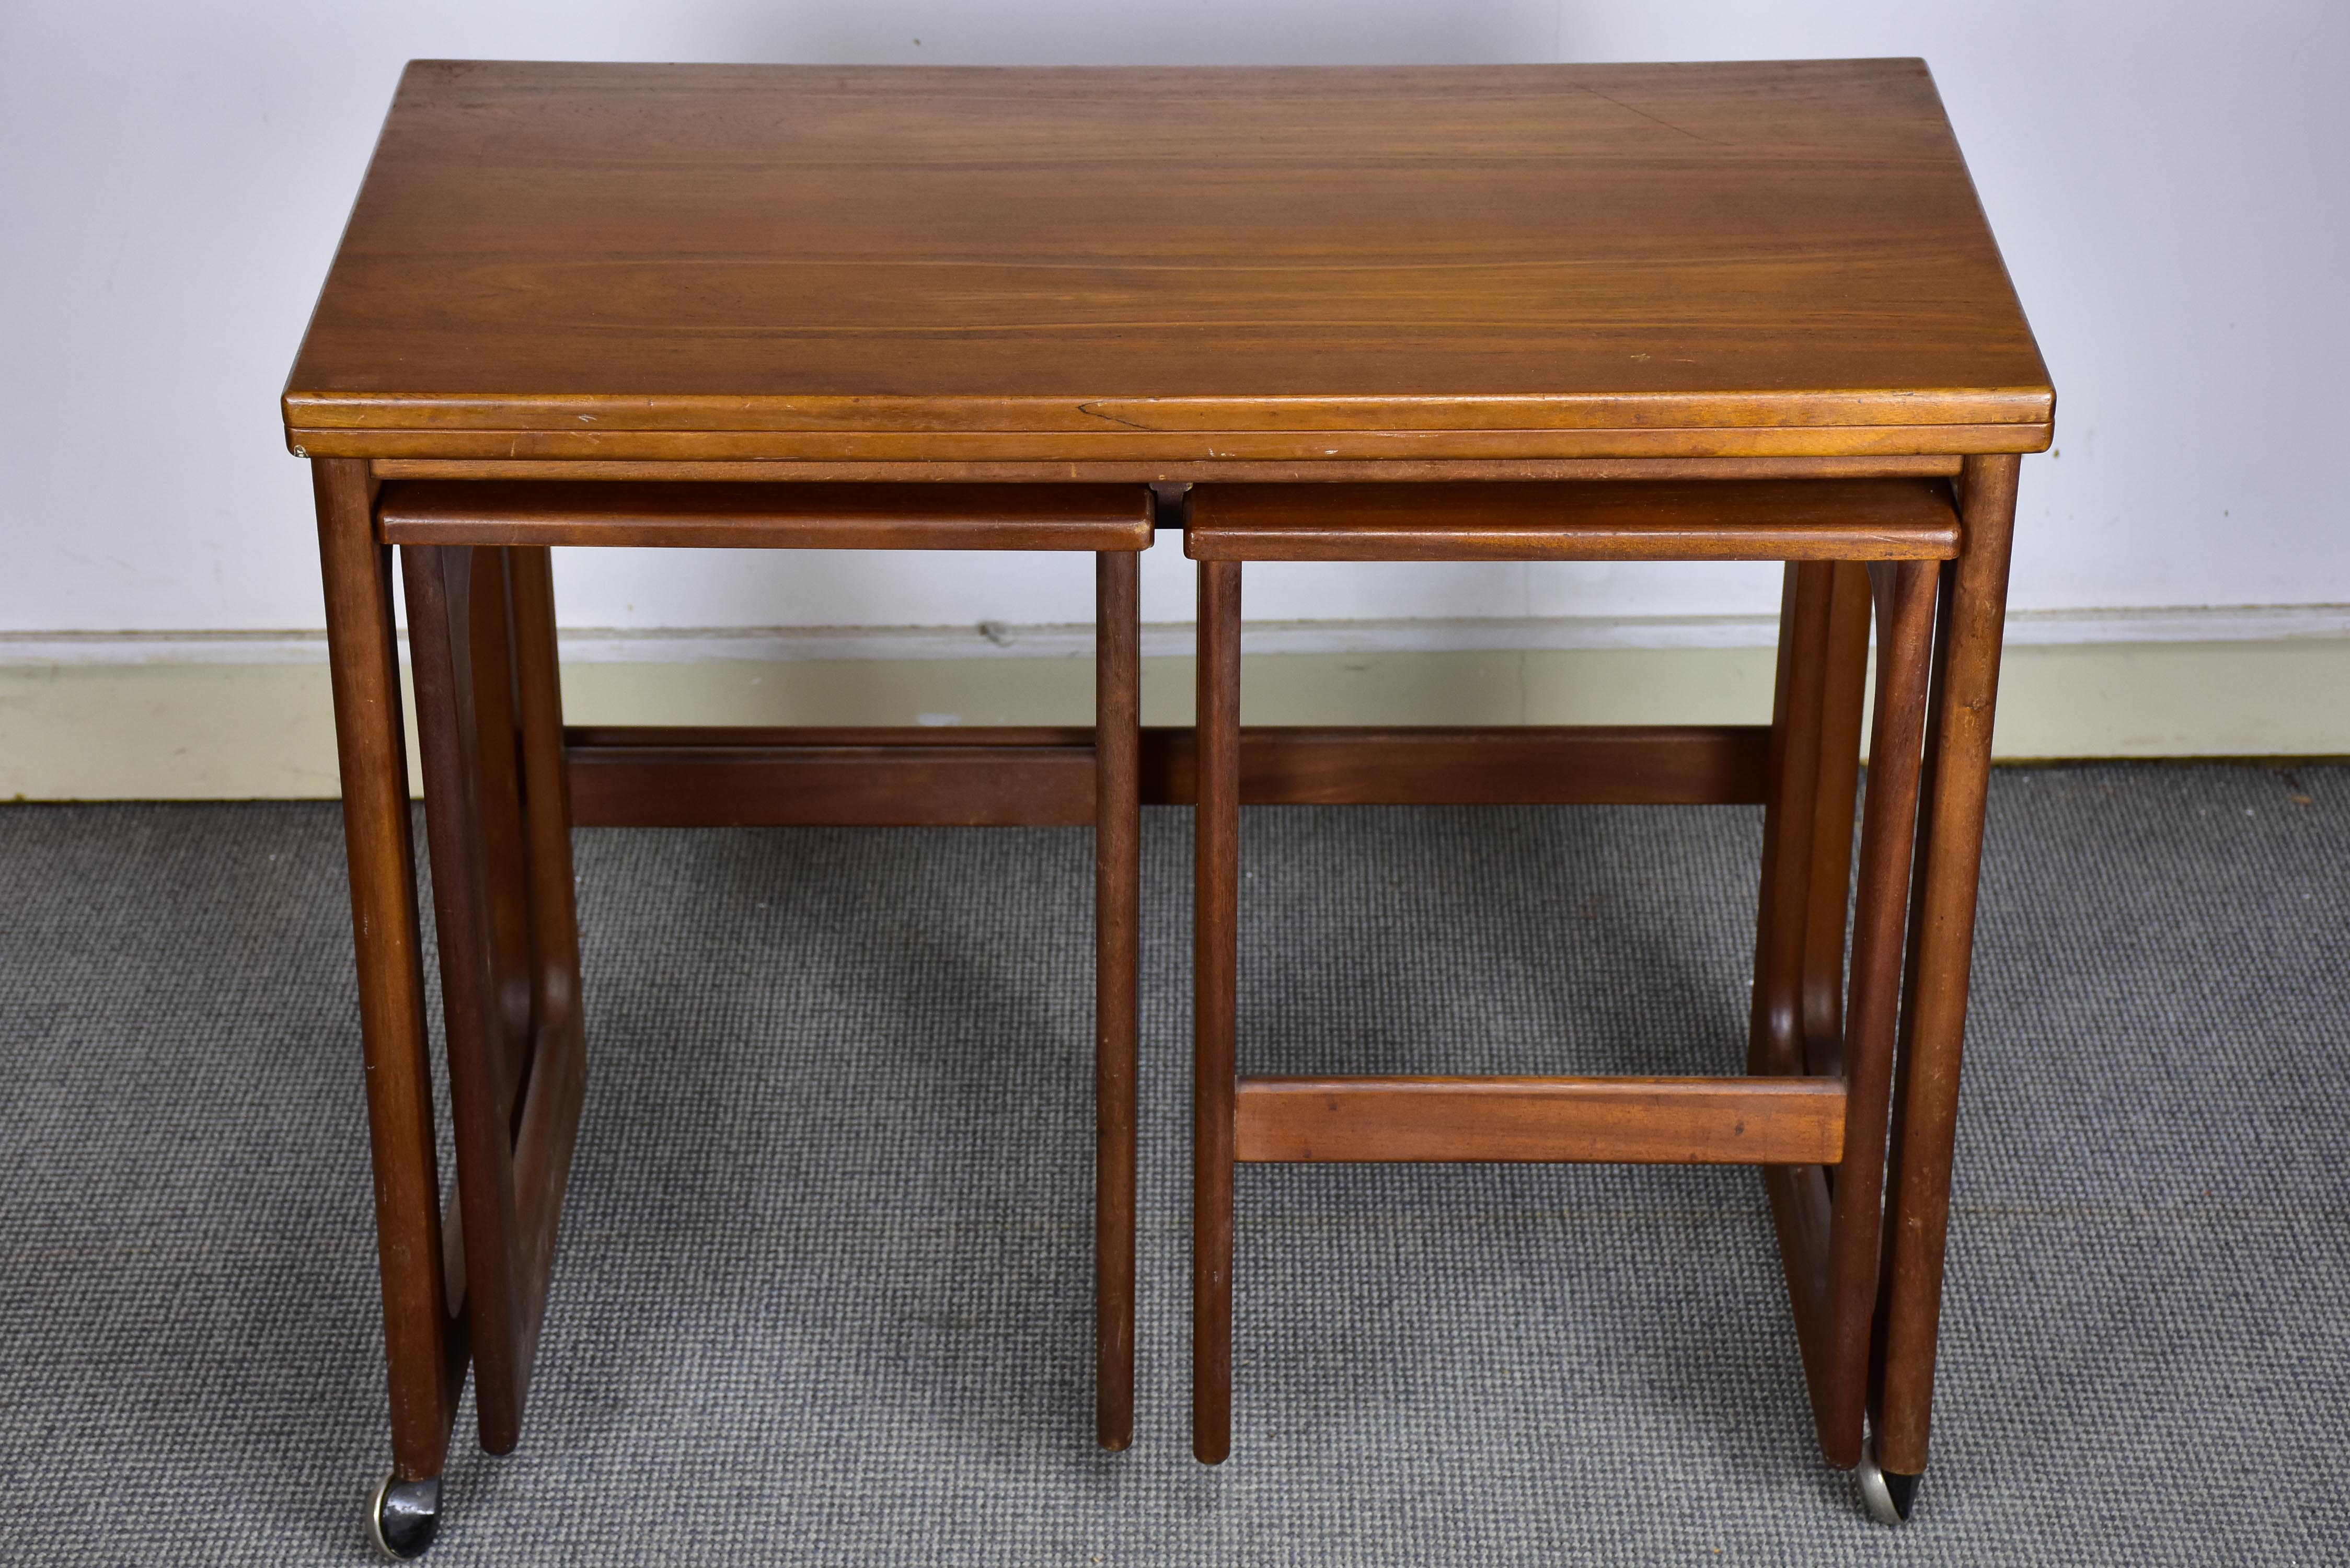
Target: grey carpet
(823, 1289)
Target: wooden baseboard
(227, 730)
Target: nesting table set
(1706, 312)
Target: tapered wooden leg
(1827, 1217)
(1905, 604)
(424, 1335)
(1933, 1026)
(1788, 819)
(1215, 1007)
(1118, 920)
(1799, 1194)
(1844, 692)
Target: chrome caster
(404, 1516)
(1887, 1495)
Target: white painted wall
(2168, 179)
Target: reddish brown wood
(1117, 924)
(439, 583)
(769, 516)
(489, 713)
(1798, 1194)
(1215, 1002)
(1844, 695)
(497, 797)
(1648, 1121)
(593, 741)
(545, 1132)
(1175, 454)
(646, 778)
(1528, 764)
(1949, 855)
(1790, 817)
(1487, 274)
(1838, 1361)
(425, 1347)
(548, 1126)
(1802, 1215)
(1690, 520)
(690, 777)
(749, 261)
(1384, 470)
(547, 791)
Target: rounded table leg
(1215, 1005)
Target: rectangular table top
(1168, 267)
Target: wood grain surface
(740, 262)
(1932, 1027)
(1215, 1005)
(426, 1339)
(1697, 519)
(768, 516)
(1640, 1121)
(658, 776)
(1118, 956)
(1384, 470)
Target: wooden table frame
(1801, 766)
(637, 279)
(506, 782)
(1836, 1076)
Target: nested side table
(681, 276)
(1820, 1094)
(501, 770)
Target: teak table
(559, 276)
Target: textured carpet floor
(822, 1295)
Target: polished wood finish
(503, 900)
(1835, 1353)
(1502, 285)
(1169, 455)
(749, 263)
(1646, 1121)
(1505, 764)
(547, 1121)
(662, 778)
(877, 778)
(546, 806)
(1788, 819)
(769, 516)
(1934, 1012)
(488, 644)
(1691, 520)
(1215, 1005)
(1843, 697)
(1885, 465)
(497, 756)
(1775, 1046)
(439, 585)
(1825, 1180)
(1115, 778)
(425, 1344)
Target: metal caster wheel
(404, 1516)
(1887, 1494)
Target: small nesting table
(1817, 1104)
(685, 278)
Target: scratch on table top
(1644, 114)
